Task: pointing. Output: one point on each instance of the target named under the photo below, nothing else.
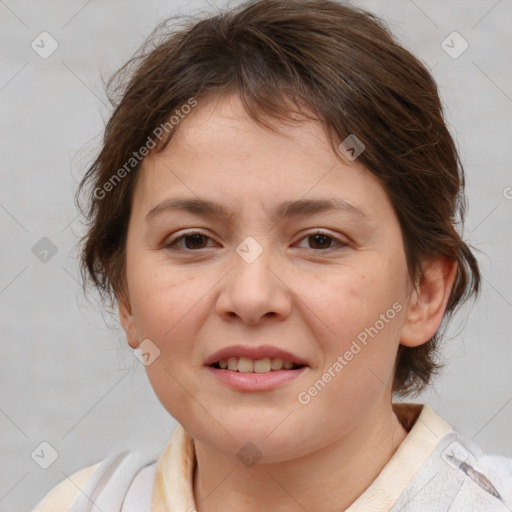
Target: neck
(342, 471)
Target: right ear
(128, 323)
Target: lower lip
(256, 381)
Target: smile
(248, 365)
(255, 368)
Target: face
(324, 288)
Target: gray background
(68, 378)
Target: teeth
(247, 365)
(262, 365)
(277, 363)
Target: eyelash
(170, 245)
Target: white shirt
(435, 469)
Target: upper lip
(254, 353)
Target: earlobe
(128, 323)
(428, 301)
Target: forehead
(221, 154)
(222, 125)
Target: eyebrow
(299, 207)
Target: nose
(254, 290)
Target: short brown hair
(331, 61)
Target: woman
(274, 213)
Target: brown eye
(195, 241)
(322, 242)
(192, 241)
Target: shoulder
(109, 484)
(460, 476)
(63, 495)
(499, 470)
(487, 481)
(456, 474)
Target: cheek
(359, 352)
(362, 315)
(168, 310)
(162, 297)
(352, 300)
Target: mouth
(250, 359)
(247, 368)
(248, 365)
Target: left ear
(427, 302)
(128, 323)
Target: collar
(174, 478)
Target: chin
(270, 441)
